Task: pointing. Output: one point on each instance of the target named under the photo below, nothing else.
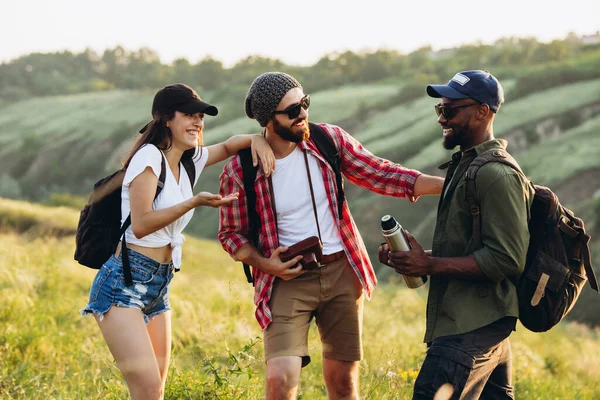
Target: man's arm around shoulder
(379, 175)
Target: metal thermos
(394, 236)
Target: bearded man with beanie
(286, 296)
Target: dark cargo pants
(478, 365)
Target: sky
(296, 32)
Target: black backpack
(99, 228)
(558, 258)
(330, 153)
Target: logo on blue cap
(460, 79)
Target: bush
(9, 187)
(548, 76)
(415, 89)
(569, 120)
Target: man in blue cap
(472, 306)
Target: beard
(457, 137)
(287, 133)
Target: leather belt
(329, 258)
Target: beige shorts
(334, 295)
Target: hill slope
(65, 143)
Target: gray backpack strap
(492, 155)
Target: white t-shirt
(295, 215)
(172, 193)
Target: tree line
(65, 72)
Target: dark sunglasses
(293, 111)
(450, 112)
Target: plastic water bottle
(393, 233)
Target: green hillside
(550, 103)
(63, 144)
(47, 351)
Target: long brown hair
(158, 133)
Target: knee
(343, 382)
(282, 378)
(144, 387)
(344, 386)
(155, 391)
(151, 390)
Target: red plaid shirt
(357, 164)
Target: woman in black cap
(133, 311)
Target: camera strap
(312, 196)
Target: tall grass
(36, 220)
(48, 351)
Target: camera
(310, 249)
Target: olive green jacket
(457, 306)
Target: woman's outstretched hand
(262, 151)
(213, 200)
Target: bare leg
(283, 377)
(159, 329)
(127, 338)
(341, 378)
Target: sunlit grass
(37, 219)
(48, 351)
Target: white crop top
(171, 194)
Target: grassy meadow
(47, 351)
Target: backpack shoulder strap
(161, 177)
(127, 223)
(331, 154)
(190, 168)
(492, 155)
(159, 188)
(249, 176)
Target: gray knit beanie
(266, 92)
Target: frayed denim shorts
(149, 292)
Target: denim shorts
(149, 292)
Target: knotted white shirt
(172, 193)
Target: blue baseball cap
(478, 85)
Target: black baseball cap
(478, 85)
(179, 97)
